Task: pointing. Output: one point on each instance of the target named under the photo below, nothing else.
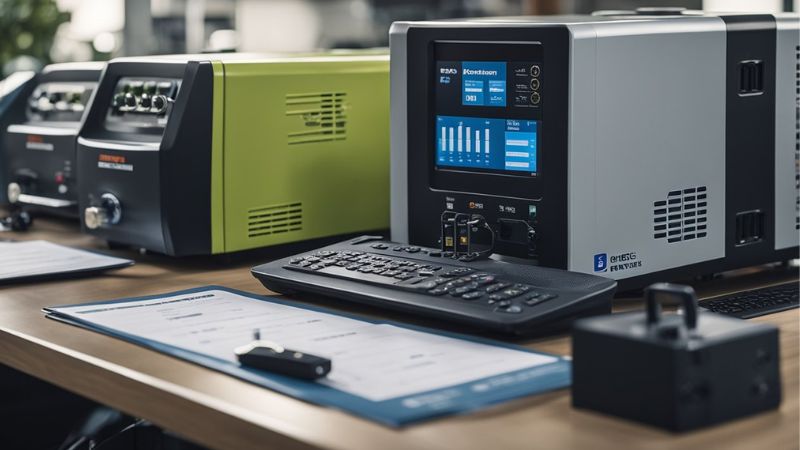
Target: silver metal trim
(45, 131)
(107, 145)
(45, 201)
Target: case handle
(685, 293)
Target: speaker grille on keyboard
(683, 216)
(797, 138)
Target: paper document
(41, 259)
(370, 360)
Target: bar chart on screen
(492, 144)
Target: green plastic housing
(300, 149)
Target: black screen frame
(429, 191)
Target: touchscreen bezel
(510, 53)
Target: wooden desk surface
(224, 413)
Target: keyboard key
(496, 297)
(472, 295)
(535, 298)
(437, 291)
(511, 293)
(485, 279)
(404, 276)
(497, 287)
(463, 289)
(425, 273)
(453, 284)
(512, 309)
(426, 285)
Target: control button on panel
(159, 103)
(535, 70)
(145, 101)
(130, 100)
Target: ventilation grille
(797, 137)
(323, 115)
(274, 219)
(682, 216)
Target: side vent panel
(274, 219)
(683, 216)
(323, 116)
(797, 138)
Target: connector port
(749, 227)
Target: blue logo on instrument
(600, 262)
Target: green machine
(212, 154)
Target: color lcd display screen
(486, 116)
(483, 143)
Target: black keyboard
(754, 303)
(484, 294)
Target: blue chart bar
(496, 144)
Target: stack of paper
(40, 259)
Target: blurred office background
(36, 32)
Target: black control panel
(141, 103)
(59, 101)
(487, 120)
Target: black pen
(272, 357)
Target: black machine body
(678, 372)
(559, 134)
(40, 169)
(151, 119)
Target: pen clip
(258, 342)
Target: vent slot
(797, 137)
(323, 115)
(274, 219)
(751, 78)
(682, 216)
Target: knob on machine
(13, 192)
(109, 212)
(160, 103)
